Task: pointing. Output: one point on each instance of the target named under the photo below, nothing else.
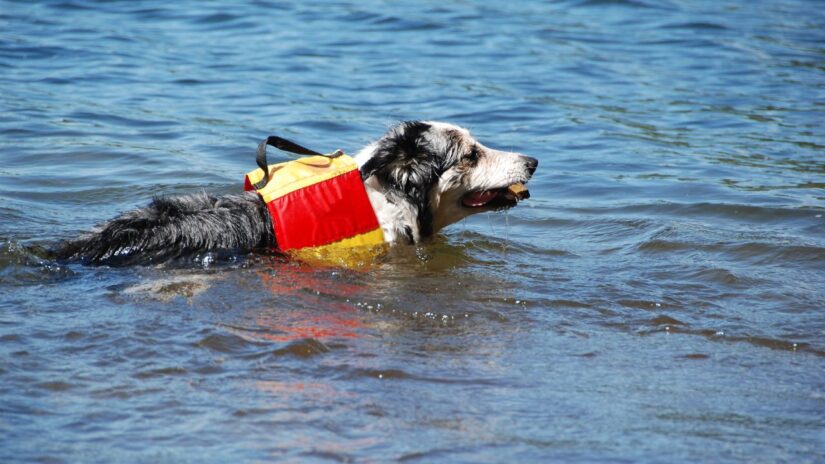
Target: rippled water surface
(661, 296)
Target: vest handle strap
(284, 145)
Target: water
(659, 298)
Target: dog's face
(443, 172)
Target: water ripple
(665, 272)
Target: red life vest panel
(319, 208)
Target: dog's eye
(473, 155)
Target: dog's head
(442, 172)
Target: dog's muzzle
(504, 197)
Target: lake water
(660, 298)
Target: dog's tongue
(514, 192)
(479, 198)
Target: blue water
(660, 297)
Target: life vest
(318, 204)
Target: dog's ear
(404, 161)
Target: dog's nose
(532, 164)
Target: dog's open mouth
(504, 197)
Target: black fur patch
(408, 233)
(176, 227)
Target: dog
(420, 177)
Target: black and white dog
(420, 177)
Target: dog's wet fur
(418, 176)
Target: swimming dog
(419, 177)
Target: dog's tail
(173, 227)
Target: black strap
(285, 145)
